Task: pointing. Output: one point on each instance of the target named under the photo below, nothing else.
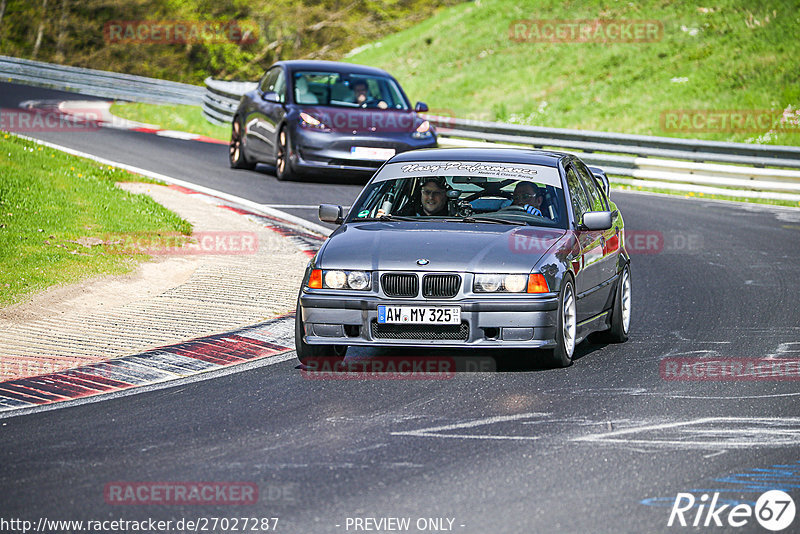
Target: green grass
(732, 54)
(743, 55)
(48, 200)
(182, 118)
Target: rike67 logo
(774, 510)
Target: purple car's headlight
(423, 131)
(313, 123)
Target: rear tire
(307, 353)
(236, 155)
(621, 313)
(566, 329)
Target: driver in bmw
(433, 196)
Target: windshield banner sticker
(469, 166)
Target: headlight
(357, 280)
(337, 279)
(515, 283)
(308, 121)
(488, 283)
(510, 283)
(422, 131)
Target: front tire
(236, 155)
(283, 165)
(567, 326)
(308, 353)
(621, 313)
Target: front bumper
(330, 153)
(490, 322)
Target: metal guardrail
(99, 83)
(222, 98)
(640, 145)
(672, 162)
(745, 181)
(621, 154)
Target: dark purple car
(326, 117)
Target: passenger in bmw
(528, 197)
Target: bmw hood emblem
(422, 261)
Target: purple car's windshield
(347, 90)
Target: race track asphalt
(603, 446)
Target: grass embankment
(472, 61)
(50, 203)
(729, 55)
(182, 118)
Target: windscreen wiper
(388, 218)
(491, 220)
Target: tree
(2, 11)
(40, 32)
(62, 32)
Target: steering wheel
(512, 207)
(482, 194)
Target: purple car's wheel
(283, 167)
(236, 155)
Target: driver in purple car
(528, 197)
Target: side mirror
(271, 96)
(330, 213)
(596, 220)
(421, 107)
(600, 174)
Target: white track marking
(757, 432)
(434, 432)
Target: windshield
(534, 199)
(348, 90)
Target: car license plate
(366, 152)
(419, 315)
